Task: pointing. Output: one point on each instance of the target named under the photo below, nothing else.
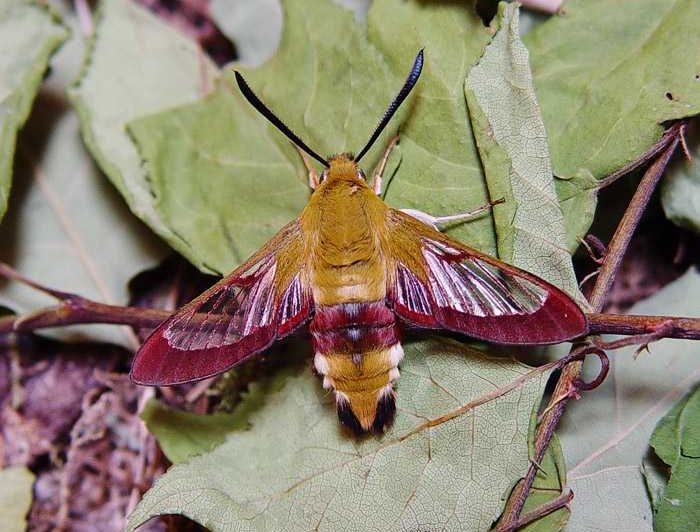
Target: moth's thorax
(344, 220)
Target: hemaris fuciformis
(356, 270)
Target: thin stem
(672, 134)
(569, 381)
(546, 509)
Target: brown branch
(546, 509)
(82, 311)
(74, 309)
(625, 230)
(569, 382)
(633, 325)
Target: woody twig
(569, 383)
(73, 309)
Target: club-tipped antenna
(263, 110)
(411, 80)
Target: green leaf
(440, 171)
(605, 435)
(607, 76)
(549, 483)
(679, 508)
(513, 146)
(296, 469)
(64, 211)
(578, 198)
(680, 192)
(15, 498)
(182, 435)
(137, 64)
(29, 35)
(676, 441)
(225, 181)
(603, 72)
(218, 182)
(666, 439)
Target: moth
(356, 271)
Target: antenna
(263, 110)
(411, 80)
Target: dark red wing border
(157, 363)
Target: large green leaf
(15, 498)
(513, 147)
(137, 64)
(225, 180)
(676, 441)
(608, 74)
(182, 435)
(605, 435)
(66, 226)
(440, 170)
(242, 180)
(29, 34)
(296, 469)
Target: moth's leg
(379, 170)
(439, 222)
(314, 181)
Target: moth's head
(343, 162)
(342, 167)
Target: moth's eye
(324, 176)
(361, 175)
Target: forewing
(263, 300)
(437, 282)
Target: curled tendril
(580, 353)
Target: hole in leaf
(669, 96)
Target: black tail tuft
(386, 409)
(348, 418)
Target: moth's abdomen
(357, 353)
